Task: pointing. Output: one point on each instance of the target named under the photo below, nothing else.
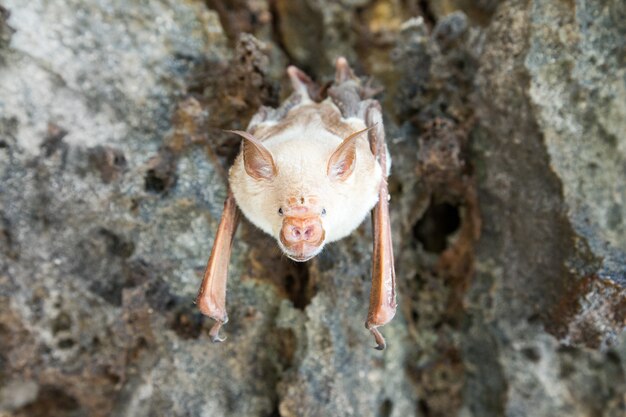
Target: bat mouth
(300, 258)
(301, 252)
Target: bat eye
(323, 212)
(280, 211)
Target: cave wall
(506, 124)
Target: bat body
(308, 175)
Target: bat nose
(302, 237)
(301, 230)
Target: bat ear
(342, 161)
(257, 160)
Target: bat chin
(299, 258)
(301, 252)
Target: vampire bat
(308, 173)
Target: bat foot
(343, 72)
(300, 82)
(381, 344)
(369, 90)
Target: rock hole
(385, 408)
(113, 378)
(110, 291)
(287, 345)
(234, 17)
(7, 242)
(534, 318)
(140, 346)
(187, 324)
(531, 353)
(275, 410)
(170, 304)
(566, 369)
(62, 322)
(102, 261)
(154, 183)
(614, 216)
(427, 13)
(423, 408)
(298, 285)
(161, 172)
(438, 223)
(116, 245)
(52, 401)
(53, 140)
(119, 160)
(159, 295)
(109, 162)
(66, 343)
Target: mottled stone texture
(507, 125)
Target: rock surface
(506, 122)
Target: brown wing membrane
(348, 94)
(383, 293)
(211, 298)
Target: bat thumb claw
(218, 339)
(381, 344)
(214, 333)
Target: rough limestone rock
(507, 126)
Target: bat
(308, 173)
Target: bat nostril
(297, 231)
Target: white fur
(301, 154)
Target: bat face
(302, 234)
(303, 183)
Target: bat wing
(383, 293)
(211, 297)
(348, 95)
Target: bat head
(305, 193)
